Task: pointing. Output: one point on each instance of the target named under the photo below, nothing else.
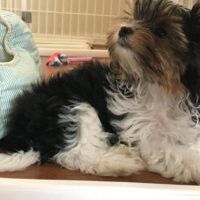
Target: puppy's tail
(17, 154)
(17, 161)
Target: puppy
(136, 113)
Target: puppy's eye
(160, 32)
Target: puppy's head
(152, 45)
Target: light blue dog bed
(19, 62)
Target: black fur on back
(33, 120)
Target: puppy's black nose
(124, 31)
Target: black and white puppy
(136, 113)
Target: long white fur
(92, 154)
(161, 126)
(18, 161)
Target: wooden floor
(54, 172)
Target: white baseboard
(69, 46)
(16, 189)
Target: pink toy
(58, 59)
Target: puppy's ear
(196, 8)
(195, 20)
(191, 77)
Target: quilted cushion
(19, 62)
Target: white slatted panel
(85, 19)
